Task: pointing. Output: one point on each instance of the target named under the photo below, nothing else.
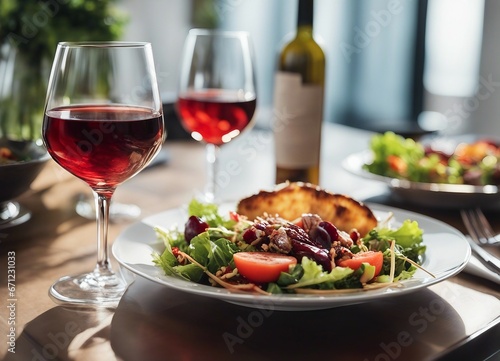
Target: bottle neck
(304, 31)
(305, 13)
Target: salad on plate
(475, 163)
(310, 252)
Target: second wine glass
(217, 92)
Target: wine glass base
(88, 290)
(13, 214)
(85, 208)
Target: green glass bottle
(298, 103)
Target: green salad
(8, 156)
(271, 255)
(474, 163)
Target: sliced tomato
(376, 259)
(262, 267)
(397, 164)
(234, 216)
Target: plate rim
(292, 302)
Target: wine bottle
(298, 103)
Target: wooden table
(459, 316)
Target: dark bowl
(16, 177)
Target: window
(380, 53)
(371, 50)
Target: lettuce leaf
(210, 254)
(171, 238)
(406, 274)
(209, 212)
(407, 236)
(391, 144)
(190, 272)
(200, 248)
(169, 264)
(314, 274)
(222, 254)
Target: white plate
(447, 254)
(435, 195)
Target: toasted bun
(291, 200)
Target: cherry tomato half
(262, 267)
(376, 259)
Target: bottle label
(298, 117)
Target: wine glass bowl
(103, 123)
(108, 151)
(217, 92)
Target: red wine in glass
(215, 116)
(104, 145)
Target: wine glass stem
(102, 202)
(212, 152)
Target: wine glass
(103, 123)
(217, 93)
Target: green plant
(35, 27)
(29, 34)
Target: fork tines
(478, 227)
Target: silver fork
(481, 234)
(478, 227)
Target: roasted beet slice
(193, 227)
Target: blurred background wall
(485, 110)
(405, 65)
